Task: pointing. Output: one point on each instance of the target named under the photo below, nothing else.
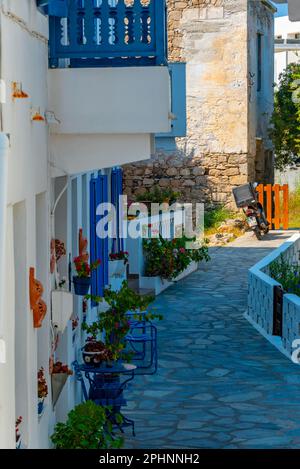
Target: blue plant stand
(106, 388)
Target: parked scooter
(246, 197)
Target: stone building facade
(228, 49)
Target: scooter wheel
(258, 233)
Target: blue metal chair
(142, 343)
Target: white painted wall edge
(4, 147)
(74, 154)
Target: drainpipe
(4, 146)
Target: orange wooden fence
(276, 207)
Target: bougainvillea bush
(168, 258)
(114, 324)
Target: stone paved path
(219, 384)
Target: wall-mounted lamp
(36, 115)
(17, 92)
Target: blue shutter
(53, 7)
(98, 246)
(116, 191)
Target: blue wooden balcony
(99, 33)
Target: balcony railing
(98, 33)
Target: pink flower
(182, 250)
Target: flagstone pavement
(219, 384)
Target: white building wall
(23, 59)
(31, 195)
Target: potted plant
(114, 323)
(82, 281)
(95, 352)
(18, 434)
(169, 260)
(59, 375)
(42, 390)
(117, 263)
(89, 426)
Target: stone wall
(211, 36)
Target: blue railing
(109, 33)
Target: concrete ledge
(261, 299)
(158, 284)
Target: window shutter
(98, 246)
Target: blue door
(98, 246)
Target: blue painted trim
(57, 8)
(178, 99)
(92, 44)
(93, 251)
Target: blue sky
(282, 10)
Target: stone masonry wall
(211, 36)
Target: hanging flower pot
(81, 285)
(40, 405)
(82, 281)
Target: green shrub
(294, 208)
(214, 218)
(288, 275)
(159, 196)
(88, 427)
(285, 122)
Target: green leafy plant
(168, 258)
(114, 323)
(285, 121)
(89, 426)
(159, 196)
(288, 275)
(215, 217)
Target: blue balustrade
(96, 33)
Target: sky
(282, 10)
